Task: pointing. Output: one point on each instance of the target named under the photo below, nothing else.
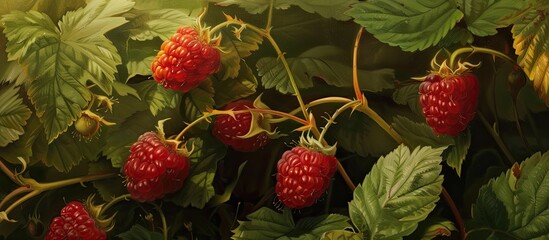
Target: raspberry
(154, 168)
(227, 129)
(185, 60)
(449, 103)
(74, 223)
(303, 176)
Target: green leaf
(400, 191)
(63, 153)
(327, 63)
(361, 135)
(326, 8)
(484, 17)
(409, 95)
(198, 189)
(140, 55)
(269, 224)
(107, 188)
(420, 134)
(412, 24)
(196, 101)
(124, 90)
(531, 43)
(341, 235)
(157, 97)
(62, 60)
(515, 203)
(456, 154)
(13, 115)
(432, 228)
(244, 85)
(138, 232)
(152, 5)
(235, 49)
(31, 146)
(161, 23)
(456, 35)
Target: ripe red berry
(449, 103)
(185, 60)
(227, 129)
(154, 168)
(303, 176)
(74, 223)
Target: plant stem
(340, 168)
(321, 101)
(113, 201)
(356, 86)
(270, 15)
(382, 123)
(280, 114)
(8, 172)
(473, 50)
(335, 115)
(17, 191)
(497, 138)
(455, 212)
(163, 218)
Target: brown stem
(356, 86)
(457, 216)
(8, 172)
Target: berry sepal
(316, 146)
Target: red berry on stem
(154, 168)
(449, 103)
(74, 223)
(227, 129)
(185, 60)
(303, 176)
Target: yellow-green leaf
(13, 115)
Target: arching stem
(356, 86)
(335, 115)
(473, 50)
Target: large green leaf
(162, 23)
(153, 5)
(409, 95)
(266, 224)
(326, 8)
(13, 115)
(484, 17)
(401, 190)
(410, 24)
(531, 43)
(140, 55)
(62, 60)
(327, 63)
(156, 96)
(229, 90)
(197, 101)
(198, 189)
(516, 203)
(341, 235)
(31, 146)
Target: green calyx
(315, 145)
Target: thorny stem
(473, 50)
(356, 86)
(497, 138)
(17, 191)
(38, 188)
(321, 101)
(280, 114)
(335, 115)
(455, 212)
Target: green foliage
(326, 8)
(235, 49)
(61, 60)
(532, 46)
(515, 204)
(31, 146)
(63, 153)
(197, 101)
(244, 85)
(400, 191)
(138, 232)
(269, 224)
(162, 23)
(432, 228)
(198, 189)
(341, 235)
(326, 63)
(411, 25)
(157, 97)
(107, 188)
(484, 17)
(13, 115)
